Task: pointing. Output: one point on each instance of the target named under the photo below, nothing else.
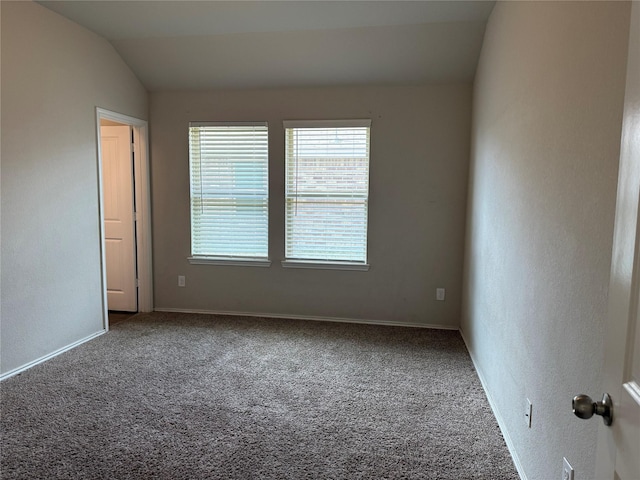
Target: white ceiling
(176, 45)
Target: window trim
(319, 263)
(231, 261)
(234, 260)
(359, 122)
(324, 265)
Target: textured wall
(419, 169)
(545, 147)
(54, 74)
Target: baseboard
(49, 356)
(496, 412)
(306, 317)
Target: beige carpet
(176, 396)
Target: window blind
(229, 189)
(327, 190)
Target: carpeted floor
(177, 396)
(117, 317)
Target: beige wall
(54, 74)
(419, 160)
(546, 131)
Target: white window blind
(229, 189)
(327, 190)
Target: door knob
(584, 407)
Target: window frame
(319, 263)
(231, 259)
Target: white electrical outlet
(181, 281)
(440, 294)
(528, 411)
(567, 470)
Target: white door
(119, 228)
(619, 444)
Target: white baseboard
(496, 412)
(49, 356)
(306, 317)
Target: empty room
(320, 239)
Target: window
(228, 165)
(327, 192)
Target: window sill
(230, 261)
(362, 267)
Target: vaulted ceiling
(179, 45)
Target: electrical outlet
(181, 281)
(567, 470)
(528, 411)
(440, 294)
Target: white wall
(547, 114)
(54, 74)
(419, 170)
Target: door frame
(142, 195)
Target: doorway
(123, 173)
